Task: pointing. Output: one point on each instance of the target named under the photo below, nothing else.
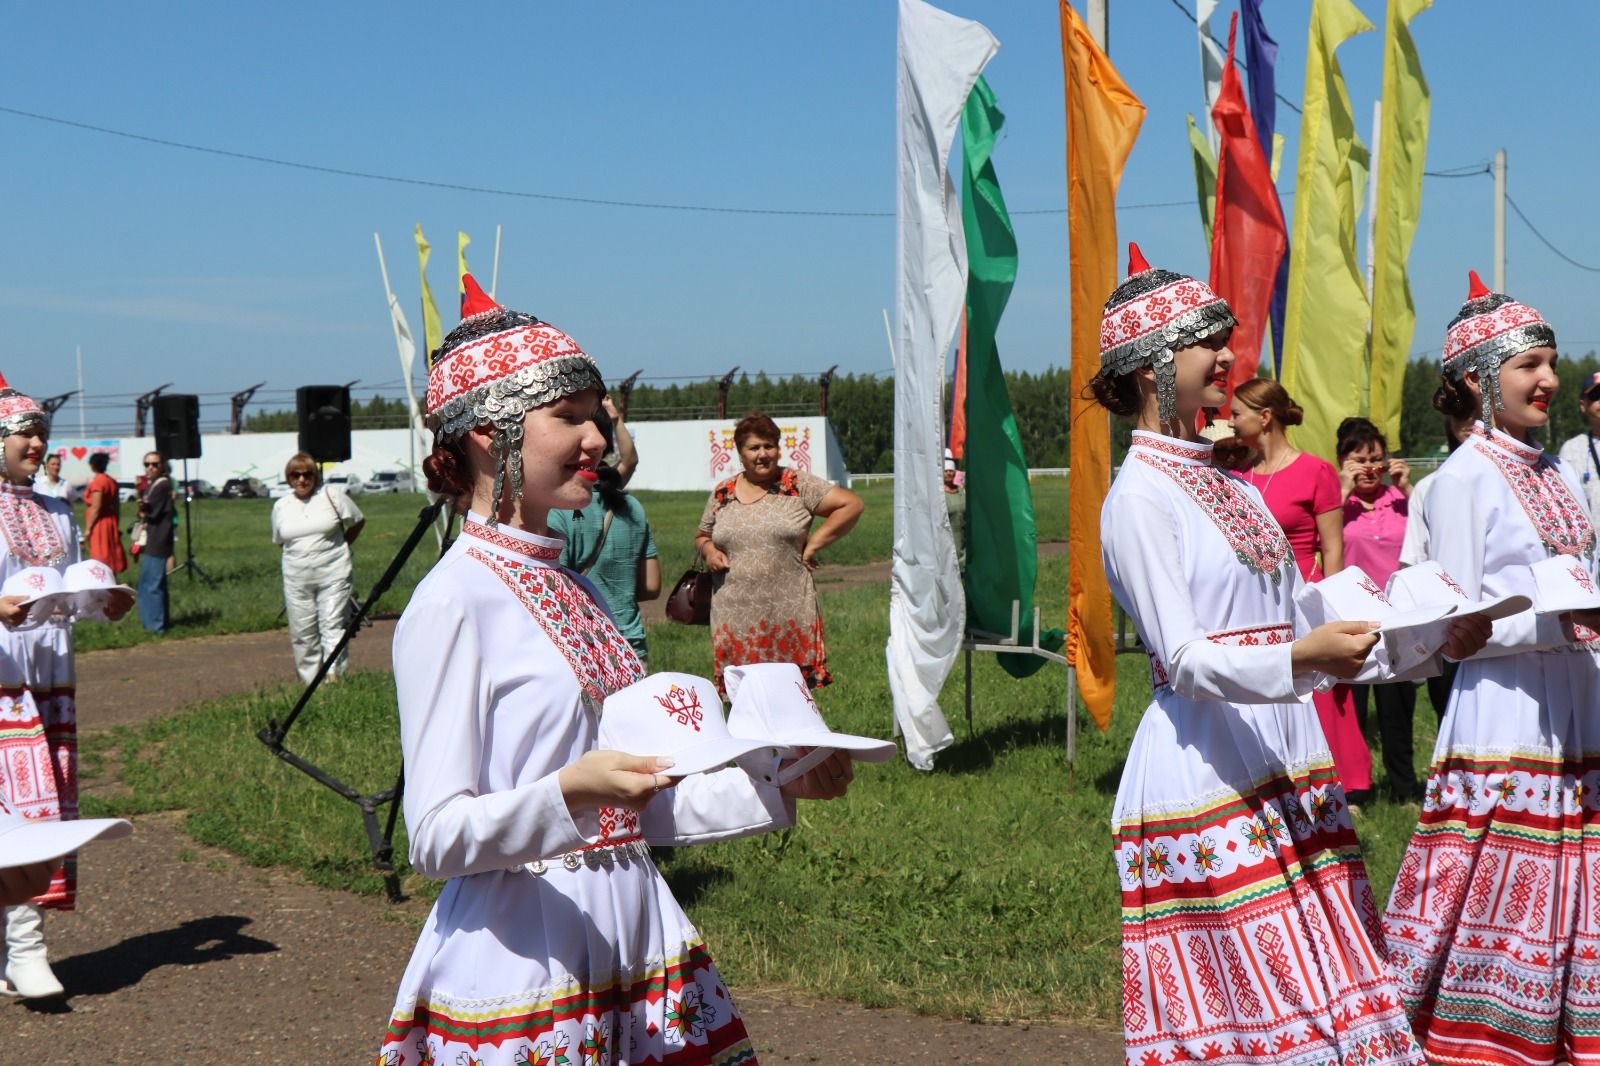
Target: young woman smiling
(1235, 851)
(1494, 921)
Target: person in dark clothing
(156, 509)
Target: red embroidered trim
(1250, 637)
(30, 531)
(1200, 453)
(601, 658)
(1557, 516)
(1526, 452)
(511, 544)
(1255, 536)
(1471, 332)
(497, 356)
(788, 485)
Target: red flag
(958, 402)
(1249, 238)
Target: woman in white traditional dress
(555, 939)
(1249, 931)
(38, 531)
(1494, 921)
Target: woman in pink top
(1302, 492)
(1375, 517)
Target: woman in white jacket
(315, 525)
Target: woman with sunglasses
(315, 526)
(158, 515)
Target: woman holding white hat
(1248, 923)
(1494, 921)
(555, 937)
(38, 531)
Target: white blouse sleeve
(444, 704)
(1458, 532)
(724, 805)
(349, 514)
(277, 521)
(1141, 555)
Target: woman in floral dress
(1249, 931)
(555, 940)
(757, 536)
(1494, 921)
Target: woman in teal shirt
(610, 543)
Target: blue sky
(215, 273)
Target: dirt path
(182, 953)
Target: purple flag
(1261, 55)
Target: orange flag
(1103, 118)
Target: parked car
(127, 491)
(388, 481)
(351, 485)
(201, 490)
(279, 489)
(243, 488)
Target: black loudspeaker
(324, 412)
(177, 419)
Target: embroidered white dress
(37, 662)
(555, 940)
(1494, 921)
(1249, 931)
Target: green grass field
(232, 543)
(983, 890)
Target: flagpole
(81, 431)
(494, 281)
(1372, 200)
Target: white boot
(27, 971)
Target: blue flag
(1261, 55)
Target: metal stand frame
(380, 838)
(1002, 644)
(188, 539)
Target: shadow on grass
(690, 884)
(977, 751)
(124, 965)
(196, 617)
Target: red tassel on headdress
(1475, 286)
(1136, 263)
(4, 384)
(475, 301)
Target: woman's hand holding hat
(118, 604)
(605, 778)
(1466, 636)
(1335, 648)
(829, 779)
(13, 612)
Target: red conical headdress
(476, 301)
(1136, 260)
(1490, 328)
(1476, 289)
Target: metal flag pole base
(189, 563)
(379, 839)
(1004, 644)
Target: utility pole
(1098, 20)
(141, 407)
(722, 392)
(1500, 221)
(236, 419)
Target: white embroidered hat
(43, 592)
(24, 841)
(676, 715)
(91, 583)
(1350, 595)
(771, 703)
(1562, 583)
(1414, 587)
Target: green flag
(1205, 176)
(1002, 555)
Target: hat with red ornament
(1153, 314)
(1490, 328)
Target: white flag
(1212, 60)
(940, 59)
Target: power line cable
(1546, 240)
(1282, 99)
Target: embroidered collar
(1258, 542)
(1558, 517)
(13, 489)
(1526, 453)
(514, 542)
(1196, 453)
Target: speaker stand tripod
(189, 563)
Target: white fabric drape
(940, 58)
(1212, 59)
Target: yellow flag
(462, 240)
(1205, 176)
(1325, 327)
(1402, 146)
(1103, 118)
(432, 332)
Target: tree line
(861, 410)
